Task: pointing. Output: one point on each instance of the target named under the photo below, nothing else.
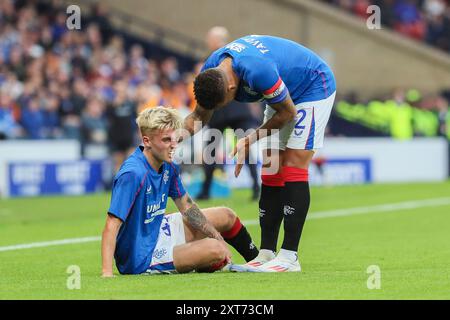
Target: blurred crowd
(401, 114)
(424, 20)
(86, 85)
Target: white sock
(267, 254)
(288, 255)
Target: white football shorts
(171, 234)
(306, 132)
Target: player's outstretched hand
(242, 149)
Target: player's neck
(227, 67)
(152, 161)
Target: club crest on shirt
(166, 176)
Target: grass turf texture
(411, 247)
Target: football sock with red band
(239, 238)
(270, 210)
(296, 200)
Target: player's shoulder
(173, 167)
(131, 169)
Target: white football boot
(263, 257)
(286, 261)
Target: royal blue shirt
(139, 199)
(270, 67)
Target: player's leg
(229, 225)
(307, 135)
(172, 253)
(270, 202)
(204, 254)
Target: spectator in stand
(387, 12)
(93, 124)
(425, 20)
(71, 107)
(8, 126)
(51, 127)
(121, 114)
(409, 20)
(32, 118)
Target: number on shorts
(298, 129)
(166, 227)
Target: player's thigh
(197, 254)
(297, 158)
(222, 218)
(171, 234)
(310, 123)
(272, 161)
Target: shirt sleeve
(126, 187)
(263, 77)
(176, 188)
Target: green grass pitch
(410, 246)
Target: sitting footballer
(141, 236)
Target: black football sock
(296, 200)
(239, 238)
(270, 215)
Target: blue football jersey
(139, 199)
(269, 67)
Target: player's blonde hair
(158, 118)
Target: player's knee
(215, 250)
(229, 216)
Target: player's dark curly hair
(209, 88)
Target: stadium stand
(424, 20)
(59, 84)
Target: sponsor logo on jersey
(154, 211)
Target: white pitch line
(49, 243)
(389, 207)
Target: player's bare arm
(285, 112)
(195, 218)
(109, 236)
(199, 114)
